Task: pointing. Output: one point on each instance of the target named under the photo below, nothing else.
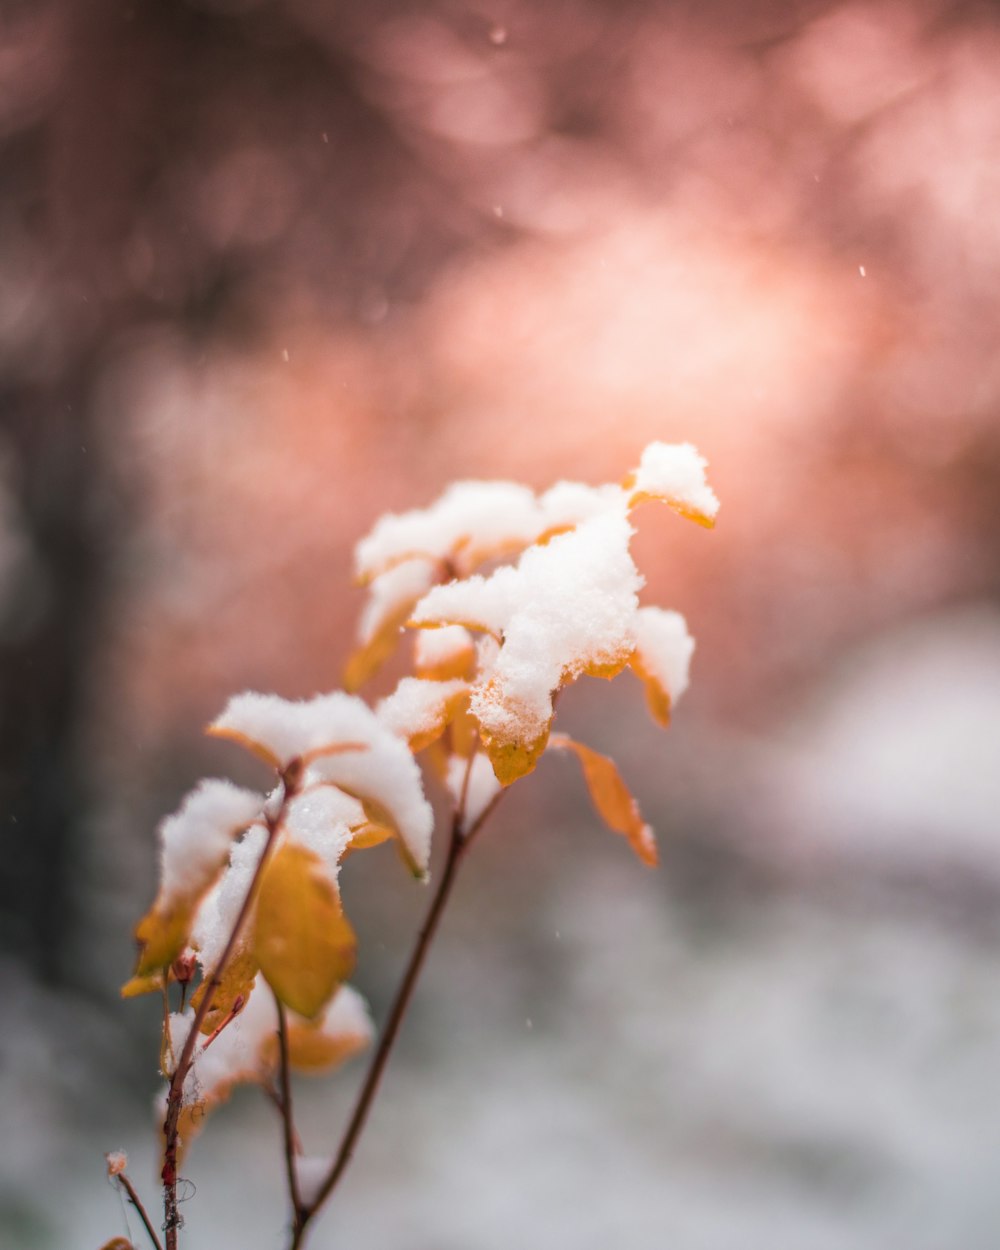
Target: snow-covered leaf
(674, 474)
(342, 1030)
(444, 654)
(391, 597)
(469, 523)
(565, 609)
(661, 658)
(194, 844)
(418, 710)
(279, 731)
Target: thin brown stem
(175, 1090)
(136, 1201)
(287, 1118)
(369, 1088)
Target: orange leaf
(118, 1243)
(612, 798)
(657, 696)
(685, 510)
(301, 938)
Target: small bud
(182, 969)
(117, 1162)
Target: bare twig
(136, 1201)
(287, 1118)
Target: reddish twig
(175, 1090)
(287, 1118)
(136, 1201)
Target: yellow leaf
(235, 984)
(612, 798)
(135, 986)
(606, 669)
(302, 941)
(162, 935)
(370, 834)
(512, 759)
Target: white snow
(435, 648)
(287, 729)
(215, 918)
(675, 473)
(417, 706)
(470, 522)
(322, 819)
(195, 840)
(385, 772)
(347, 1015)
(569, 503)
(665, 648)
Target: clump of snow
(388, 774)
(322, 819)
(217, 914)
(417, 706)
(195, 840)
(286, 729)
(473, 520)
(566, 606)
(381, 769)
(347, 1015)
(675, 473)
(664, 648)
(480, 790)
(391, 593)
(437, 648)
(569, 503)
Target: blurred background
(273, 267)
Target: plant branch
(175, 1090)
(287, 1119)
(366, 1096)
(136, 1201)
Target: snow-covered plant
(508, 596)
